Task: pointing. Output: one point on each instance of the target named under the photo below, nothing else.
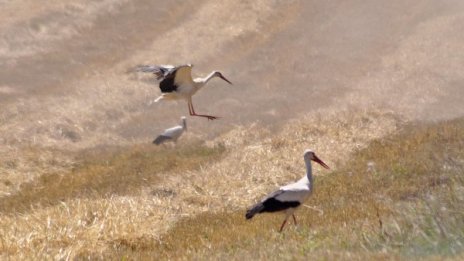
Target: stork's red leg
(294, 219)
(192, 112)
(282, 226)
(190, 108)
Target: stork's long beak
(318, 160)
(224, 78)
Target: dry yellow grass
(97, 203)
(387, 197)
(20, 164)
(128, 197)
(63, 92)
(399, 198)
(100, 173)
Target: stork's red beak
(318, 160)
(224, 78)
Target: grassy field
(97, 201)
(399, 198)
(370, 86)
(395, 197)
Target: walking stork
(288, 198)
(172, 134)
(176, 83)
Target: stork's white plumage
(172, 134)
(288, 198)
(176, 83)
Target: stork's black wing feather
(160, 71)
(271, 204)
(160, 139)
(168, 84)
(167, 75)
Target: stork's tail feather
(254, 210)
(160, 139)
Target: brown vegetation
(337, 76)
(399, 198)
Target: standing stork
(288, 198)
(176, 83)
(172, 134)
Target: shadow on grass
(110, 171)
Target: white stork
(288, 198)
(172, 134)
(177, 83)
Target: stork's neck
(209, 77)
(200, 82)
(309, 173)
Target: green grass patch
(109, 171)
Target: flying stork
(288, 198)
(176, 83)
(172, 134)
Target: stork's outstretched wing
(182, 73)
(171, 77)
(161, 71)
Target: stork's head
(219, 74)
(184, 122)
(310, 155)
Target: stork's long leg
(190, 107)
(294, 219)
(283, 225)
(192, 112)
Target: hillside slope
(79, 177)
